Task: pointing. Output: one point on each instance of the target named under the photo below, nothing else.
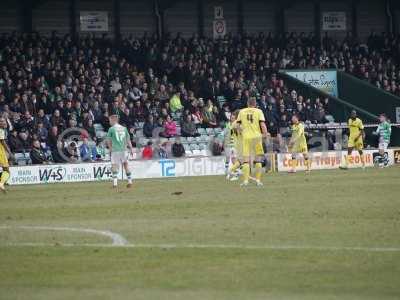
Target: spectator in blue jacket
(87, 153)
(148, 127)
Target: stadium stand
(170, 87)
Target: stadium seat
(221, 100)
(101, 134)
(206, 138)
(210, 131)
(205, 152)
(203, 146)
(194, 147)
(139, 133)
(98, 127)
(144, 141)
(330, 118)
(22, 159)
(203, 138)
(196, 152)
(202, 131)
(139, 141)
(217, 130)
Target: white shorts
(383, 145)
(119, 157)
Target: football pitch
(326, 235)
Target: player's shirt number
(120, 136)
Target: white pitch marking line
(210, 246)
(117, 239)
(265, 247)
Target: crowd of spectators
(375, 60)
(50, 84)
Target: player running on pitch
(384, 132)
(233, 148)
(356, 136)
(4, 154)
(253, 130)
(118, 141)
(298, 144)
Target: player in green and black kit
(118, 141)
(384, 131)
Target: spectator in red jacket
(147, 152)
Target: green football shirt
(384, 131)
(119, 137)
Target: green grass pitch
(326, 235)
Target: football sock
(308, 163)
(246, 172)
(294, 164)
(234, 167)
(346, 160)
(362, 160)
(115, 178)
(129, 175)
(227, 166)
(4, 177)
(259, 169)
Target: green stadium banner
(370, 98)
(353, 94)
(338, 108)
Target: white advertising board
(194, 166)
(334, 20)
(93, 21)
(325, 80)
